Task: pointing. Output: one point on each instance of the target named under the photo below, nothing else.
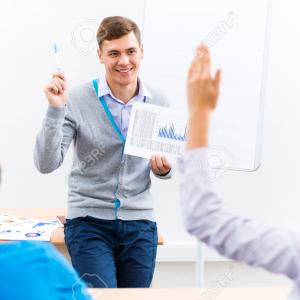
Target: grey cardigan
(103, 183)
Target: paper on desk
(155, 130)
(20, 228)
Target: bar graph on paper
(155, 130)
(169, 132)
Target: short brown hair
(112, 28)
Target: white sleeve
(235, 237)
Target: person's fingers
(202, 50)
(159, 163)
(62, 83)
(51, 88)
(206, 63)
(166, 163)
(207, 56)
(192, 69)
(153, 164)
(217, 79)
(216, 84)
(59, 74)
(203, 61)
(199, 60)
(57, 84)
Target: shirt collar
(103, 89)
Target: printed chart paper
(20, 228)
(154, 130)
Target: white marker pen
(58, 68)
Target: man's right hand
(56, 90)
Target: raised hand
(56, 90)
(202, 89)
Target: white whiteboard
(237, 32)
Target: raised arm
(58, 128)
(204, 213)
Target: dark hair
(112, 28)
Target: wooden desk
(277, 293)
(57, 237)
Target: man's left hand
(160, 165)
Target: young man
(204, 214)
(110, 231)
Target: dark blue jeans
(112, 253)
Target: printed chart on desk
(155, 130)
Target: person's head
(120, 49)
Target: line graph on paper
(155, 130)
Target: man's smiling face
(121, 58)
